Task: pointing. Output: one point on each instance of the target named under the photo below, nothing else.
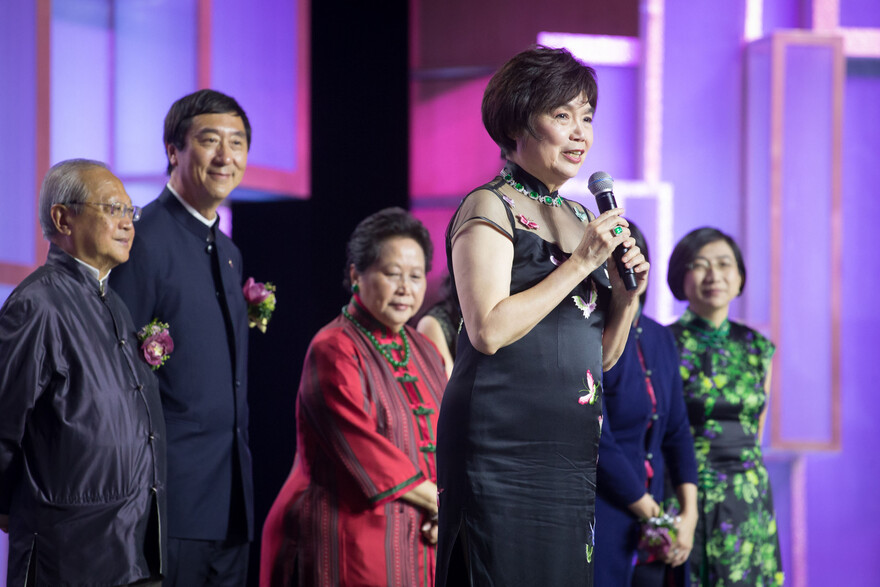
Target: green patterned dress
(724, 370)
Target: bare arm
(430, 327)
(624, 305)
(483, 258)
(763, 416)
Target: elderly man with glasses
(82, 437)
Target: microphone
(601, 185)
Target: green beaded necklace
(379, 347)
(507, 176)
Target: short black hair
(686, 251)
(180, 115)
(366, 241)
(532, 83)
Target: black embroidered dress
(518, 432)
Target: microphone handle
(605, 201)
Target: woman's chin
(396, 320)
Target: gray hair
(63, 184)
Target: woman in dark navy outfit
(645, 434)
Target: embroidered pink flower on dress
(156, 343)
(509, 200)
(592, 389)
(260, 298)
(526, 222)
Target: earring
(355, 288)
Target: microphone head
(600, 182)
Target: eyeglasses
(723, 265)
(117, 209)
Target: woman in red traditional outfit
(360, 505)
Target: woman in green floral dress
(726, 371)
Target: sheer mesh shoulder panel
(482, 205)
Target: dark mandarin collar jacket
(82, 438)
(190, 276)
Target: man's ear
(61, 218)
(171, 151)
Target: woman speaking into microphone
(518, 432)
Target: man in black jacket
(82, 438)
(184, 271)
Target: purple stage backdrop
(758, 117)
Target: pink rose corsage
(156, 343)
(260, 298)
